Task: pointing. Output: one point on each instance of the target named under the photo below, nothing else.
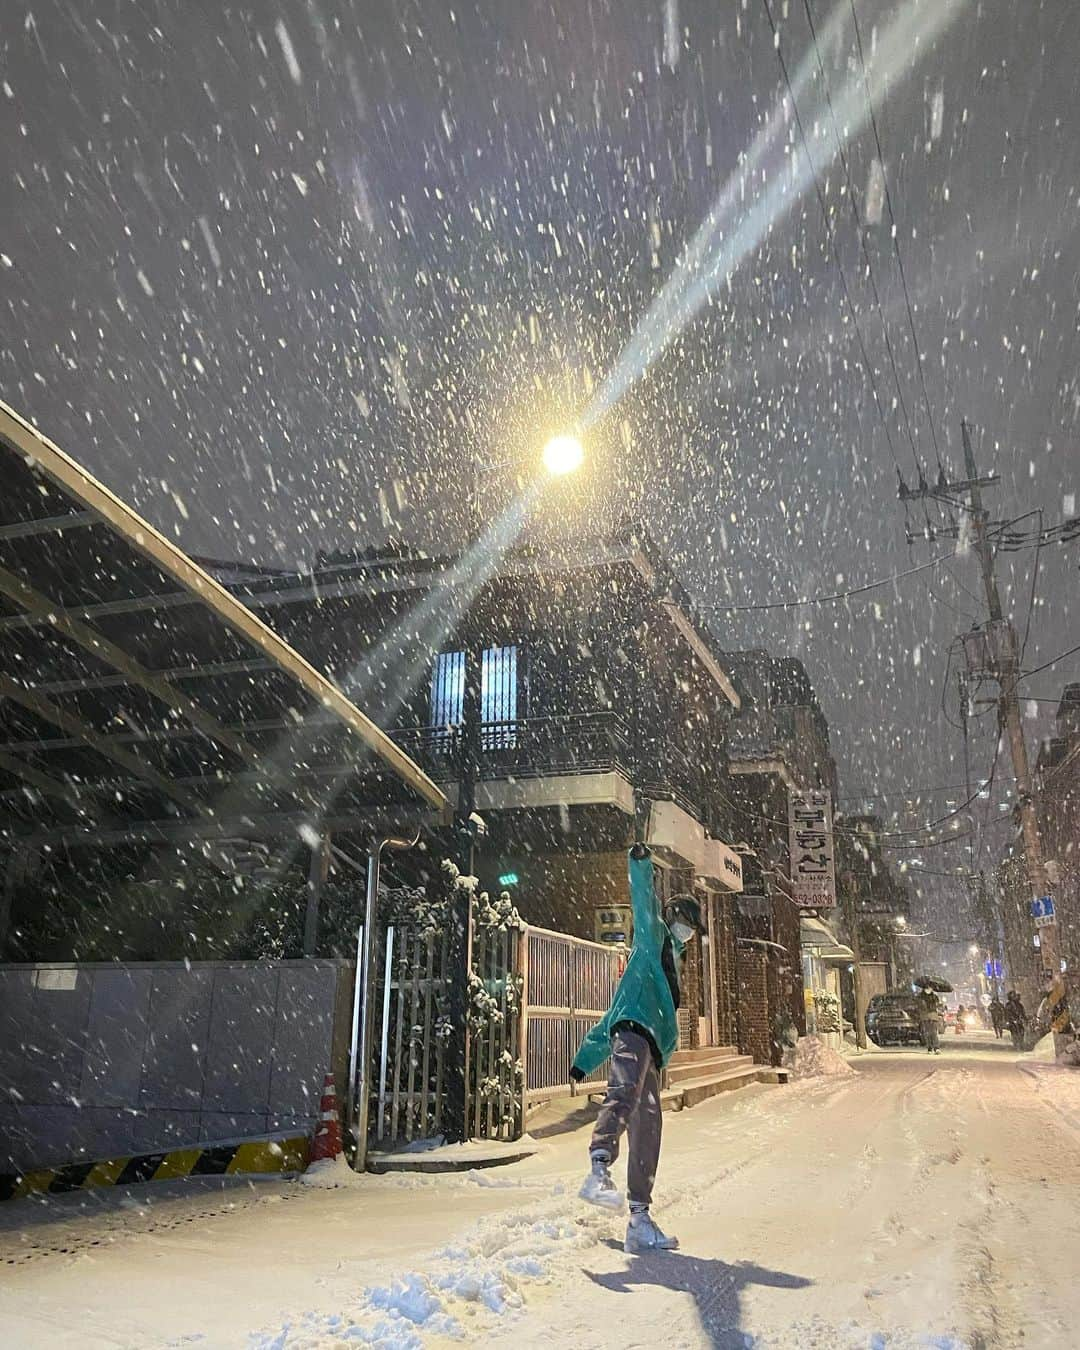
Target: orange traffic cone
(328, 1132)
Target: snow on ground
(906, 1205)
(811, 1057)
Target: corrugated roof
(134, 687)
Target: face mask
(682, 932)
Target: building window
(498, 697)
(447, 695)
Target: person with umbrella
(931, 1020)
(1015, 1019)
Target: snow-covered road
(919, 1202)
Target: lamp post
(561, 455)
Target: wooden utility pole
(1007, 672)
(849, 892)
(1004, 664)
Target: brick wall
(563, 891)
(726, 1012)
(690, 1003)
(755, 1034)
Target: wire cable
(860, 229)
(832, 241)
(1047, 664)
(1031, 599)
(828, 599)
(895, 234)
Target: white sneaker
(643, 1234)
(599, 1187)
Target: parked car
(893, 1019)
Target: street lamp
(563, 455)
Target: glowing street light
(563, 455)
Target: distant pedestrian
(961, 1015)
(1015, 1019)
(997, 1016)
(930, 1021)
(638, 1033)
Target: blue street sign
(1042, 908)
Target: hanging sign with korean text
(810, 839)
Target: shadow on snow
(715, 1286)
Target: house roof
(134, 688)
(399, 569)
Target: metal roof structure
(139, 698)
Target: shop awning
(138, 696)
(813, 933)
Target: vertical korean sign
(810, 839)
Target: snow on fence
(568, 983)
(412, 1035)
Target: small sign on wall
(64, 977)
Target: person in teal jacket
(639, 1032)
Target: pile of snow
(328, 1174)
(812, 1058)
(483, 1273)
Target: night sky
(283, 273)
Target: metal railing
(526, 746)
(567, 984)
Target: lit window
(498, 697)
(447, 695)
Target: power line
(827, 599)
(915, 791)
(1047, 664)
(832, 240)
(1034, 583)
(879, 834)
(859, 228)
(895, 235)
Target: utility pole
(848, 889)
(1005, 666)
(1007, 669)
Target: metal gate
(414, 1041)
(411, 1036)
(568, 984)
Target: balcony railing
(531, 747)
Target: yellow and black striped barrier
(267, 1156)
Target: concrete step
(708, 1066)
(697, 1090)
(692, 1056)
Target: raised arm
(643, 900)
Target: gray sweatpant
(930, 1029)
(632, 1104)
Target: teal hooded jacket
(643, 994)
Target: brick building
(1057, 784)
(778, 741)
(599, 715)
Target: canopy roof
(138, 695)
(819, 938)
